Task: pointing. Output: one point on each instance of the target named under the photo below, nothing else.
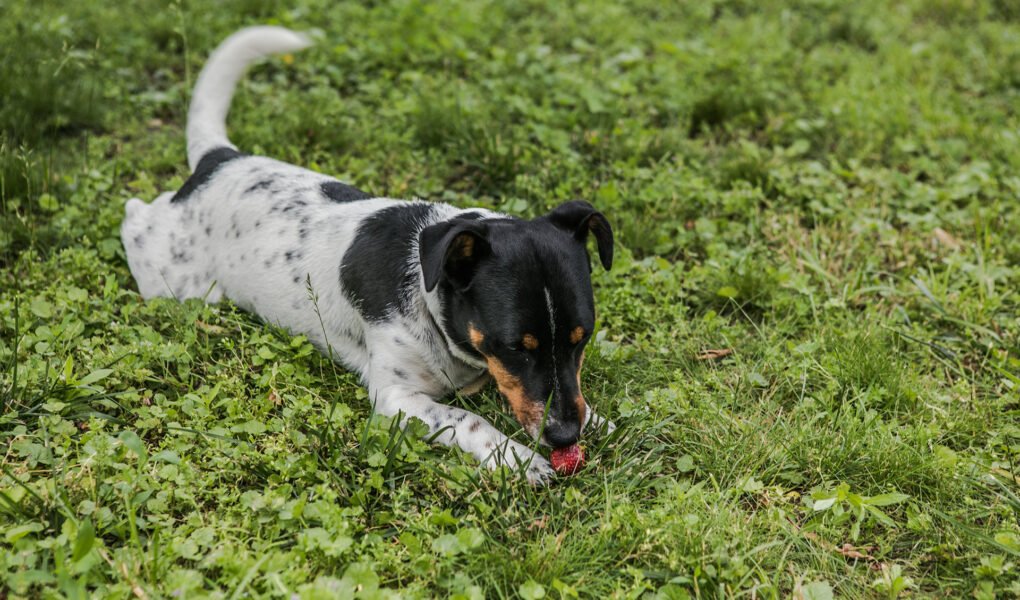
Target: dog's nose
(562, 434)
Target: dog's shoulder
(378, 274)
(380, 271)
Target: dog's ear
(580, 218)
(452, 248)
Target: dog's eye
(519, 348)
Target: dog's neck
(434, 308)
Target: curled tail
(207, 115)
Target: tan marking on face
(476, 337)
(576, 334)
(528, 413)
(582, 406)
(467, 246)
(529, 341)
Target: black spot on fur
(139, 241)
(476, 425)
(204, 170)
(399, 341)
(294, 204)
(178, 256)
(401, 374)
(208, 230)
(292, 255)
(470, 216)
(259, 185)
(341, 192)
(258, 224)
(357, 337)
(374, 272)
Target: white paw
(596, 422)
(518, 456)
(540, 472)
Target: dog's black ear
(581, 218)
(452, 248)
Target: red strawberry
(568, 461)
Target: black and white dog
(420, 299)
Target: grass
(809, 340)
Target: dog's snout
(562, 434)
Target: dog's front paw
(597, 423)
(539, 471)
(521, 458)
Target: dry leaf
(850, 552)
(208, 328)
(946, 239)
(714, 354)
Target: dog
(420, 299)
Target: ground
(809, 338)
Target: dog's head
(518, 295)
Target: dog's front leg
(457, 427)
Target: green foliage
(809, 339)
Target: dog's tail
(207, 115)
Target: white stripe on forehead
(552, 312)
(552, 341)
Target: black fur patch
(374, 273)
(206, 168)
(260, 185)
(341, 192)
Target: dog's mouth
(537, 418)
